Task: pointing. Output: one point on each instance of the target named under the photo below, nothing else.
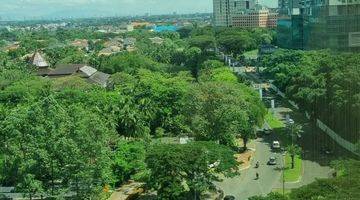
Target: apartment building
(243, 13)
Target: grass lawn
(273, 121)
(251, 54)
(292, 175)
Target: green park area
(273, 121)
(292, 175)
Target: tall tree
(185, 171)
(293, 150)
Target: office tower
(222, 12)
(320, 24)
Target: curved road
(245, 185)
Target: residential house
(12, 47)
(112, 46)
(82, 44)
(126, 28)
(157, 40)
(38, 60)
(42, 66)
(129, 41)
(129, 44)
(110, 50)
(89, 73)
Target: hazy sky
(19, 9)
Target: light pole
(283, 172)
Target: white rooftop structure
(88, 71)
(38, 60)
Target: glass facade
(319, 24)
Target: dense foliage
(182, 171)
(323, 83)
(66, 135)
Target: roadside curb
(251, 159)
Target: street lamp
(283, 172)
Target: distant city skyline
(50, 9)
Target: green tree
(193, 58)
(49, 146)
(221, 111)
(129, 63)
(129, 161)
(295, 131)
(184, 171)
(236, 42)
(293, 150)
(204, 42)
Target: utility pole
(283, 172)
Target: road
(245, 185)
(315, 164)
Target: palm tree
(293, 150)
(295, 130)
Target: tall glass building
(319, 24)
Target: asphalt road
(245, 185)
(315, 166)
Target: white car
(291, 121)
(276, 145)
(272, 161)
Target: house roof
(66, 69)
(156, 40)
(38, 60)
(110, 50)
(80, 43)
(129, 41)
(113, 42)
(105, 51)
(88, 71)
(100, 78)
(43, 71)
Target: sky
(30, 9)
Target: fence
(338, 139)
(283, 95)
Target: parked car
(291, 121)
(327, 150)
(267, 131)
(276, 145)
(272, 161)
(229, 197)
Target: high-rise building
(243, 13)
(222, 12)
(319, 24)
